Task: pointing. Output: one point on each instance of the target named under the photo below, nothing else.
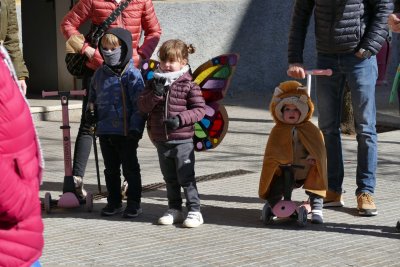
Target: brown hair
(175, 50)
(110, 39)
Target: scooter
(68, 199)
(286, 208)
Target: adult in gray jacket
(348, 36)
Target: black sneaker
(111, 209)
(131, 212)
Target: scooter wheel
(398, 226)
(267, 216)
(89, 202)
(302, 216)
(47, 202)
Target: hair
(110, 39)
(175, 50)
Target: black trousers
(84, 139)
(117, 151)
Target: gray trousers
(177, 167)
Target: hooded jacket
(280, 149)
(183, 99)
(21, 226)
(9, 35)
(340, 26)
(137, 16)
(115, 94)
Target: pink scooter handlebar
(56, 93)
(326, 72)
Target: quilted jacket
(21, 227)
(340, 26)
(183, 99)
(137, 16)
(9, 35)
(115, 95)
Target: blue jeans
(361, 75)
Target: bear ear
(304, 88)
(289, 86)
(303, 98)
(277, 91)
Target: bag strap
(101, 29)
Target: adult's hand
(394, 22)
(296, 71)
(89, 52)
(22, 85)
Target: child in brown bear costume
(294, 140)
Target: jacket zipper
(123, 107)
(166, 113)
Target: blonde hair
(175, 50)
(110, 40)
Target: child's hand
(172, 123)
(91, 117)
(158, 86)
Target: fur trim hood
(291, 92)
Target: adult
(21, 226)
(9, 37)
(348, 36)
(138, 16)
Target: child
(113, 96)
(294, 140)
(174, 104)
(21, 166)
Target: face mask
(112, 58)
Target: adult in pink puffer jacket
(21, 226)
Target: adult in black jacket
(348, 36)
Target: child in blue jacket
(113, 95)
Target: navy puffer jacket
(115, 93)
(340, 26)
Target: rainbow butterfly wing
(213, 77)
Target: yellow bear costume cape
(279, 149)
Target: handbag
(76, 62)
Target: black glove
(91, 117)
(158, 86)
(172, 123)
(134, 135)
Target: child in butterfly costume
(294, 140)
(175, 103)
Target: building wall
(256, 29)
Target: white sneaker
(80, 191)
(171, 216)
(193, 219)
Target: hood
(126, 42)
(291, 92)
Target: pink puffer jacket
(138, 15)
(21, 226)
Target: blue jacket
(115, 99)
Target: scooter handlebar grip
(325, 72)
